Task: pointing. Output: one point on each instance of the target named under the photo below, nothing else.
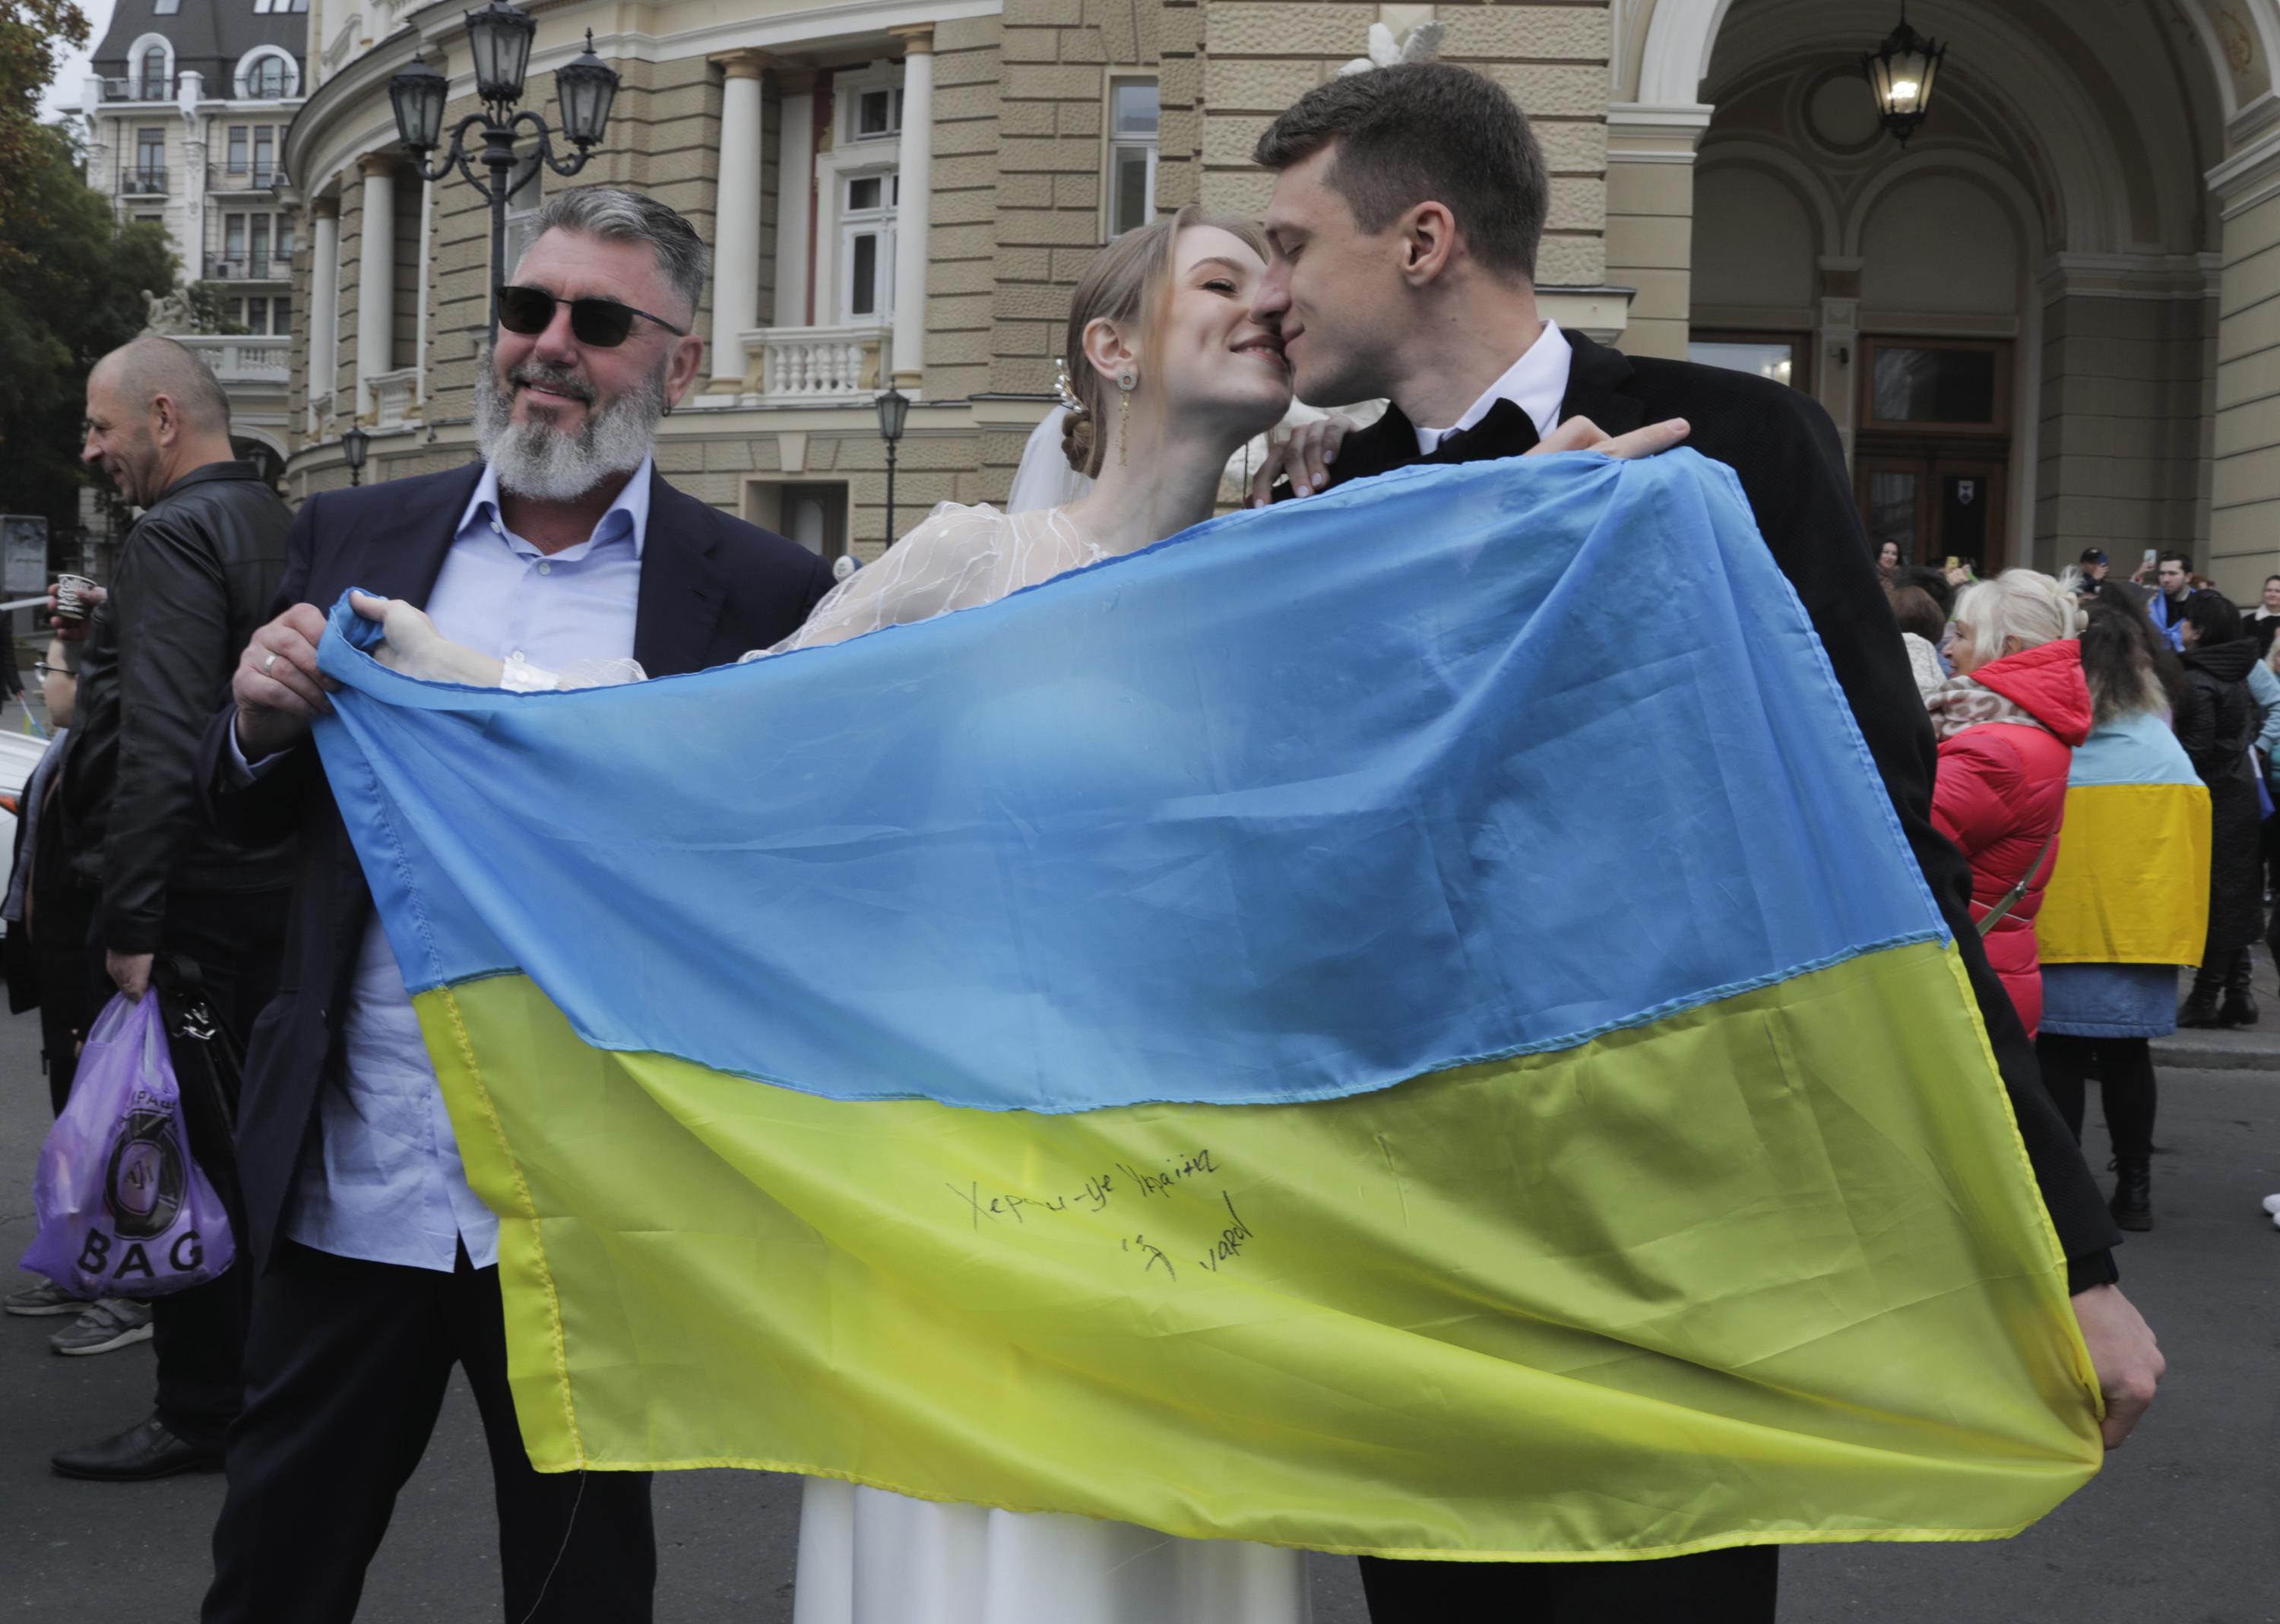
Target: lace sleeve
(960, 558)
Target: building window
(236, 309)
(522, 206)
(878, 112)
(1780, 357)
(284, 242)
(265, 155)
(266, 79)
(1134, 119)
(166, 8)
(154, 74)
(149, 171)
(237, 134)
(866, 246)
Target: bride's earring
(1125, 384)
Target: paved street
(2184, 1527)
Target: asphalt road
(2183, 1527)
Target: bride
(1171, 375)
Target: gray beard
(541, 462)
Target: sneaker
(113, 1322)
(47, 1298)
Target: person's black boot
(2200, 1008)
(2132, 1206)
(2239, 1006)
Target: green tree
(32, 33)
(74, 293)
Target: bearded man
(377, 1268)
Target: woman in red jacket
(2008, 720)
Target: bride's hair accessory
(1422, 43)
(1065, 388)
(1126, 382)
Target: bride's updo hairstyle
(1130, 283)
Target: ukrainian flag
(2130, 886)
(1402, 1022)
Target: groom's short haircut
(616, 215)
(1421, 132)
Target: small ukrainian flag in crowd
(1402, 1022)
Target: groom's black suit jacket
(1786, 449)
(711, 588)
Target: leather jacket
(196, 575)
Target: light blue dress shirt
(387, 1184)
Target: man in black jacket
(378, 1266)
(195, 573)
(1407, 208)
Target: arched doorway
(2012, 320)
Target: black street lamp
(1901, 73)
(500, 37)
(355, 444)
(894, 406)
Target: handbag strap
(2011, 898)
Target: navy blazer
(711, 588)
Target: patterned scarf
(1962, 702)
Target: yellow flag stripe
(1677, 1288)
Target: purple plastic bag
(123, 1209)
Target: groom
(1409, 203)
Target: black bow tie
(1507, 431)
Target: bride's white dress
(870, 1557)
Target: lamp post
(355, 444)
(1901, 73)
(894, 406)
(499, 36)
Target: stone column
(915, 161)
(737, 220)
(1651, 220)
(324, 305)
(375, 282)
(2246, 479)
(795, 194)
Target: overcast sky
(64, 91)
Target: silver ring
(268, 660)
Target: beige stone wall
(2123, 452)
(963, 272)
(1259, 56)
(1651, 237)
(350, 295)
(2245, 520)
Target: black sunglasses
(602, 323)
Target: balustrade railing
(818, 364)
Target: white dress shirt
(386, 1184)
(1537, 383)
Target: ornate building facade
(185, 118)
(2050, 320)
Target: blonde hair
(2026, 604)
(1130, 283)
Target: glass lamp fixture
(419, 93)
(355, 445)
(1900, 74)
(500, 36)
(585, 89)
(894, 406)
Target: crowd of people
(2045, 691)
(184, 827)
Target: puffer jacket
(2216, 723)
(2007, 734)
(195, 576)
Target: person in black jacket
(2217, 724)
(196, 573)
(1408, 207)
(378, 1266)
